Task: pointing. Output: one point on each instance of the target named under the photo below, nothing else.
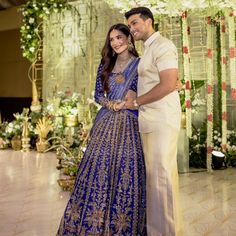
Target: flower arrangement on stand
(231, 148)
(4, 141)
(69, 139)
(198, 146)
(14, 129)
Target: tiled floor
(32, 203)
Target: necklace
(119, 77)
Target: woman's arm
(100, 97)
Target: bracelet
(110, 105)
(135, 104)
(114, 107)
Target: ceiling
(4, 4)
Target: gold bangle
(110, 105)
(114, 107)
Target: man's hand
(129, 103)
(179, 85)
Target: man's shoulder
(162, 41)
(161, 45)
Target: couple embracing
(127, 182)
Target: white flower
(31, 20)
(74, 111)
(32, 49)
(194, 137)
(29, 36)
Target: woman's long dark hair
(109, 57)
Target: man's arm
(168, 80)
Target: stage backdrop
(72, 45)
(73, 41)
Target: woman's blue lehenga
(109, 195)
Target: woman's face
(118, 41)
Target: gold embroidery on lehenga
(121, 222)
(112, 156)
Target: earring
(130, 46)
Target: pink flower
(188, 104)
(210, 117)
(185, 49)
(209, 149)
(209, 53)
(224, 86)
(224, 60)
(209, 89)
(187, 85)
(224, 115)
(231, 52)
(233, 93)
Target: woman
(109, 192)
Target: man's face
(139, 27)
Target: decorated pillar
(223, 84)
(187, 74)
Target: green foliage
(198, 150)
(34, 12)
(195, 86)
(197, 147)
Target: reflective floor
(32, 203)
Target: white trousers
(160, 152)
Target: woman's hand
(119, 105)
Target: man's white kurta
(159, 124)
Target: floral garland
(232, 65)
(34, 12)
(209, 62)
(223, 85)
(162, 8)
(186, 68)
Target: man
(159, 122)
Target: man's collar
(149, 41)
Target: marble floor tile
(32, 203)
